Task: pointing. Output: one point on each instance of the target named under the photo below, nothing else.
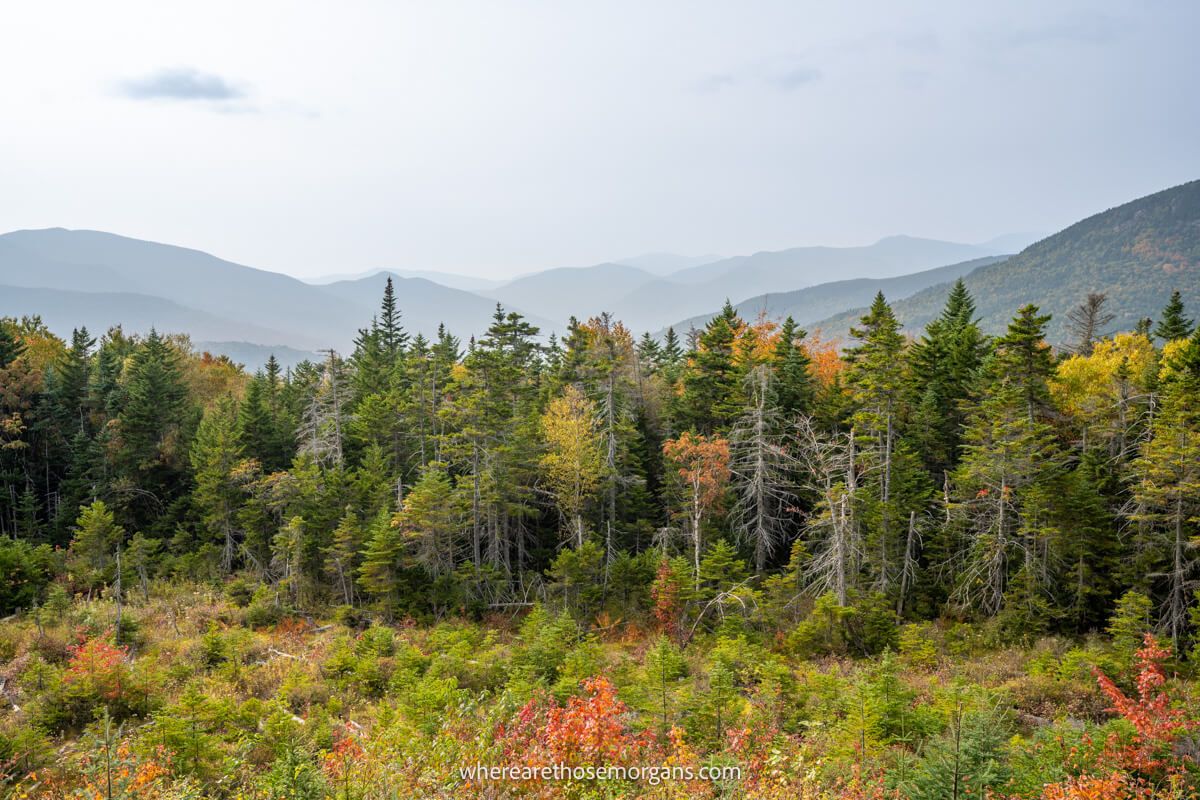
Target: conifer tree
(710, 399)
(92, 554)
(216, 455)
(761, 467)
(154, 424)
(1173, 325)
(343, 556)
(876, 378)
(1166, 484)
(793, 385)
(944, 363)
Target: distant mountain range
(806, 306)
(73, 278)
(1136, 253)
(79, 277)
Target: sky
(494, 138)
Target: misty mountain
(254, 356)
(813, 303)
(63, 310)
(92, 261)
(580, 291)
(798, 267)
(1136, 253)
(424, 305)
(468, 283)
(665, 263)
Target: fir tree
(216, 455)
(1173, 325)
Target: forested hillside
(1136, 254)
(806, 306)
(955, 566)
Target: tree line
(746, 465)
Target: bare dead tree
(322, 425)
(833, 528)
(762, 468)
(1087, 321)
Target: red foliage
(1139, 769)
(1157, 723)
(589, 730)
(665, 592)
(99, 667)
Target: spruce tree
(793, 385)
(711, 396)
(1173, 325)
(216, 455)
(876, 378)
(944, 363)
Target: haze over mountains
(1137, 253)
(73, 277)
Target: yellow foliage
(1091, 388)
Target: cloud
(1083, 29)
(786, 79)
(794, 78)
(184, 84)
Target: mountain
(254, 356)
(104, 262)
(468, 283)
(100, 279)
(424, 305)
(63, 310)
(808, 305)
(1136, 253)
(665, 263)
(580, 291)
(786, 270)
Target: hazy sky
(500, 137)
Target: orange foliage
(665, 592)
(703, 465)
(825, 358)
(589, 731)
(754, 342)
(98, 666)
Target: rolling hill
(1136, 253)
(808, 305)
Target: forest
(949, 566)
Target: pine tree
(649, 353)
(1007, 457)
(876, 378)
(431, 522)
(944, 365)
(1025, 361)
(92, 554)
(392, 338)
(711, 398)
(1166, 485)
(154, 421)
(793, 383)
(216, 455)
(380, 573)
(1173, 325)
(343, 556)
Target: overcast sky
(499, 137)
